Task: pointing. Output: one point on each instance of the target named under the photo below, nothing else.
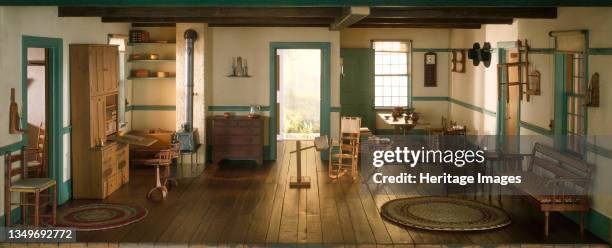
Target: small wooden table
(400, 124)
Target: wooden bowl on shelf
(153, 56)
(162, 74)
(141, 73)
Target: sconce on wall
(240, 67)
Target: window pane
(391, 58)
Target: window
(391, 60)
(121, 41)
(576, 102)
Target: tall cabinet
(99, 165)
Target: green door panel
(357, 85)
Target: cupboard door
(94, 84)
(110, 70)
(97, 121)
(99, 54)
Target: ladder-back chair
(27, 187)
(346, 158)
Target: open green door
(357, 85)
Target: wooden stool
(25, 186)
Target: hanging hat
(474, 54)
(486, 54)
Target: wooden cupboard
(99, 166)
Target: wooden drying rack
(524, 76)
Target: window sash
(391, 84)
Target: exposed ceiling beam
(330, 12)
(351, 16)
(464, 12)
(447, 26)
(436, 20)
(228, 21)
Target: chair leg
(546, 216)
(24, 201)
(36, 208)
(7, 208)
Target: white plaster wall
(42, 21)
(540, 111)
(476, 89)
(253, 44)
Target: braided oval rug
(444, 214)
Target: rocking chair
(346, 158)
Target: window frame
(576, 132)
(408, 74)
(122, 108)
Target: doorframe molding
(56, 101)
(325, 48)
(502, 48)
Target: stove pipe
(188, 137)
(190, 37)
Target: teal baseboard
(15, 217)
(597, 223)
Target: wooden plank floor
(241, 203)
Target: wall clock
(430, 69)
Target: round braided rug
(92, 217)
(444, 214)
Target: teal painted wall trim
(56, 101)
(335, 109)
(67, 129)
(473, 107)
(325, 48)
(595, 222)
(15, 217)
(11, 147)
(536, 128)
(601, 151)
(430, 98)
(236, 108)
(325, 3)
(151, 107)
(599, 51)
(542, 50)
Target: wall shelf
(151, 43)
(151, 60)
(151, 78)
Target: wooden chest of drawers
(237, 138)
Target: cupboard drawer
(237, 131)
(250, 123)
(225, 123)
(238, 151)
(237, 140)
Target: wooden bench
(555, 182)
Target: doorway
(509, 102)
(38, 105)
(324, 49)
(53, 111)
(299, 87)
